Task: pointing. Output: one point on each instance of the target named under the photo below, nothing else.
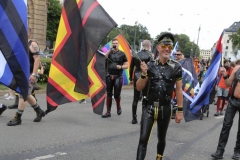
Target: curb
(42, 91)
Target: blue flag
(14, 61)
(174, 50)
(202, 98)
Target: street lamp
(198, 37)
(134, 46)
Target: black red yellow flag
(83, 26)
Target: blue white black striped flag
(14, 62)
(202, 98)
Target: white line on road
(48, 156)
(219, 117)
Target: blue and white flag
(202, 98)
(174, 50)
(14, 61)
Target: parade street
(74, 132)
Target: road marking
(48, 156)
(219, 117)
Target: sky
(180, 16)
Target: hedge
(43, 78)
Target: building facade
(226, 42)
(206, 54)
(37, 20)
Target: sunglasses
(165, 46)
(178, 54)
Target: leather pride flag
(83, 26)
(14, 62)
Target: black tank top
(31, 60)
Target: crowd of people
(158, 79)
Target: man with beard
(116, 62)
(161, 74)
(143, 56)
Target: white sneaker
(6, 95)
(9, 98)
(82, 101)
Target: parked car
(48, 55)
(42, 55)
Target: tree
(129, 33)
(53, 18)
(235, 38)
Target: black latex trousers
(232, 108)
(161, 115)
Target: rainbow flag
(123, 46)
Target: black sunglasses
(178, 54)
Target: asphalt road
(74, 132)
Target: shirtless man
(233, 107)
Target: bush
(44, 78)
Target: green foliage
(53, 18)
(235, 38)
(43, 78)
(129, 33)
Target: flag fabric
(202, 98)
(83, 26)
(189, 83)
(14, 61)
(174, 50)
(97, 78)
(123, 46)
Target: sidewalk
(41, 91)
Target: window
(226, 47)
(227, 41)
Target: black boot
(141, 153)
(159, 157)
(16, 120)
(15, 104)
(134, 120)
(108, 105)
(4, 107)
(39, 114)
(119, 109)
(236, 155)
(217, 155)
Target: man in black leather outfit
(143, 56)
(232, 108)
(161, 74)
(34, 60)
(116, 62)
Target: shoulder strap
(235, 81)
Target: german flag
(14, 62)
(83, 26)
